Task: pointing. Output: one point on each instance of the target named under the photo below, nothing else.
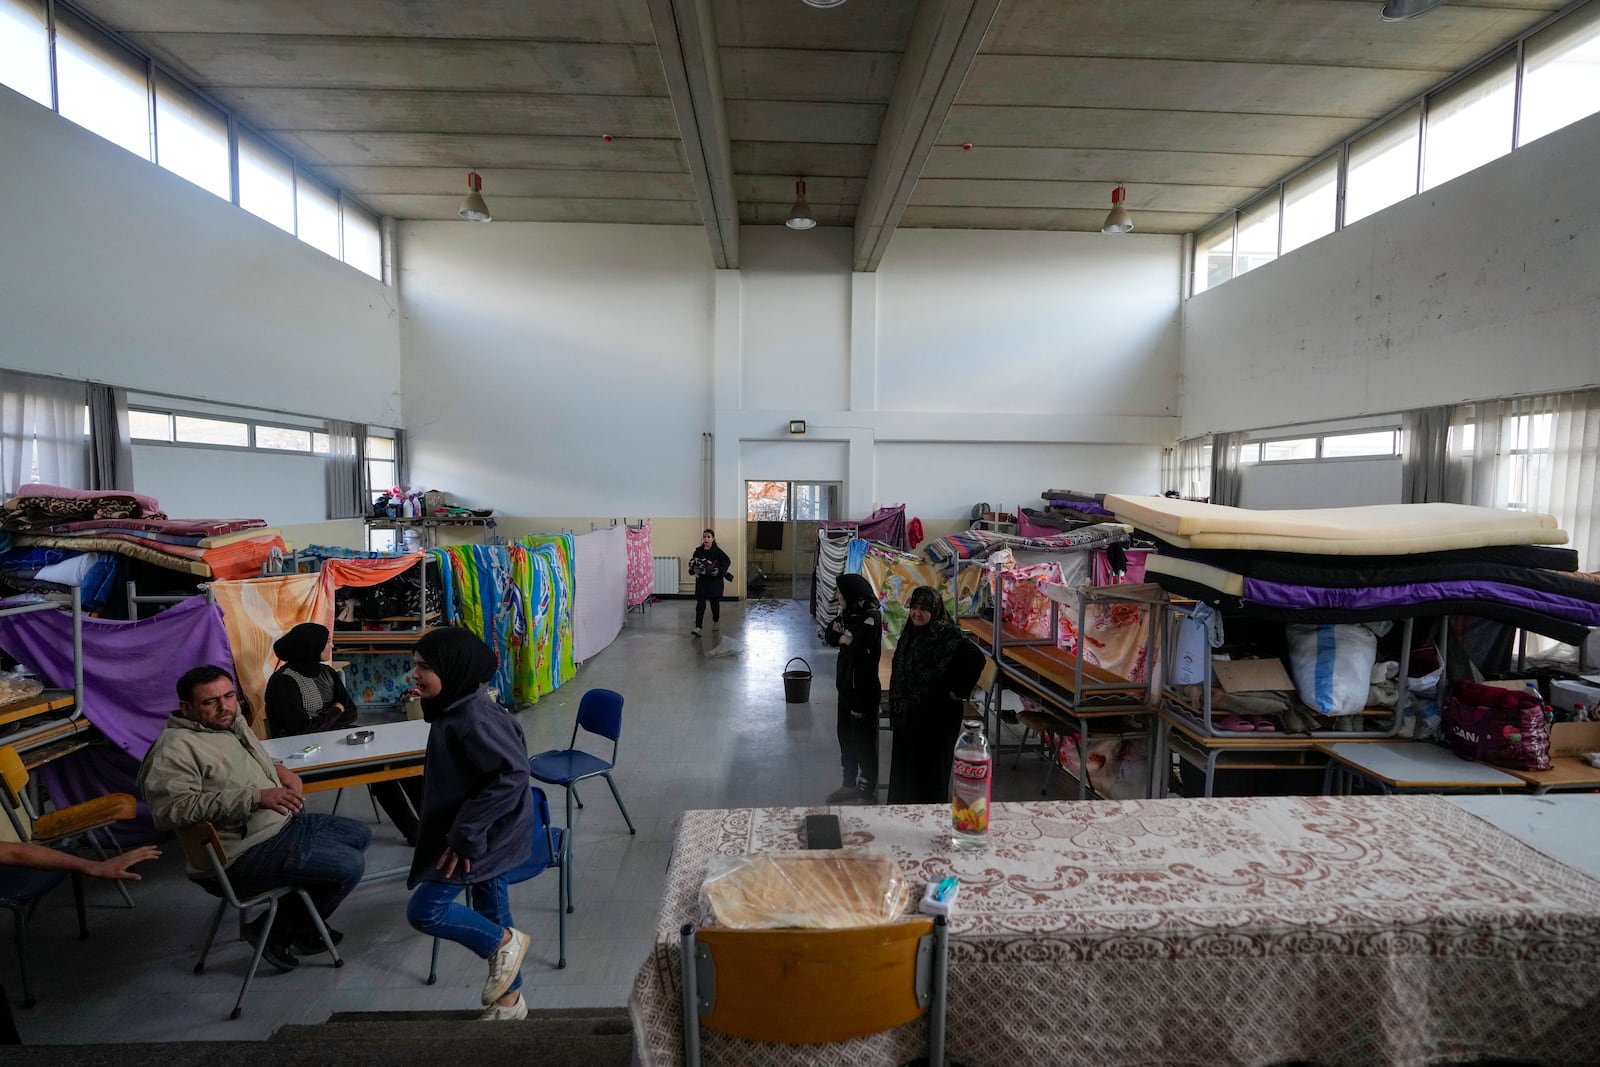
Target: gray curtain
(1425, 455)
(347, 470)
(1225, 477)
(402, 460)
(110, 443)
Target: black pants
(922, 753)
(8, 1025)
(858, 739)
(700, 602)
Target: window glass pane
(1469, 123)
(318, 215)
(380, 448)
(1561, 74)
(192, 137)
(1258, 235)
(363, 242)
(1250, 453)
(102, 86)
(1309, 203)
(1370, 443)
(197, 431)
(380, 475)
(1213, 257)
(266, 181)
(319, 443)
(1383, 167)
(285, 437)
(149, 425)
(1300, 448)
(25, 49)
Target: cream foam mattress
(1375, 530)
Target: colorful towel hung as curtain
(641, 571)
(1115, 632)
(896, 574)
(518, 599)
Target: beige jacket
(195, 774)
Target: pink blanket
(150, 504)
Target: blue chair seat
(540, 859)
(560, 766)
(21, 886)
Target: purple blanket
(1366, 598)
(130, 669)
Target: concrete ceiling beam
(686, 40)
(945, 38)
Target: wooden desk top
(1418, 764)
(345, 639)
(1566, 772)
(49, 700)
(394, 740)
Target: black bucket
(796, 684)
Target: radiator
(667, 571)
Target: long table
(1344, 930)
(395, 751)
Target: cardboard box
(1252, 675)
(1566, 695)
(1518, 684)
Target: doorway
(781, 521)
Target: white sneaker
(497, 1013)
(504, 965)
(716, 626)
(695, 632)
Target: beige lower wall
(343, 533)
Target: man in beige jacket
(209, 766)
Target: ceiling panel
(1061, 164)
(793, 120)
(966, 192)
(774, 188)
(1187, 131)
(865, 26)
(511, 181)
(792, 74)
(606, 21)
(1019, 218)
(401, 111)
(1314, 32)
(773, 213)
(484, 150)
(411, 63)
(802, 160)
(529, 209)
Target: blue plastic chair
(599, 713)
(21, 889)
(549, 850)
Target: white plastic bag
(1332, 666)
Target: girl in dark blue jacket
(858, 635)
(476, 820)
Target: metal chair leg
(1022, 747)
(941, 979)
(19, 931)
(377, 819)
(561, 911)
(571, 794)
(316, 921)
(433, 964)
(620, 805)
(211, 935)
(94, 839)
(255, 957)
(691, 996)
(78, 904)
(338, 795)
(573, 790)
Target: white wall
(794, 461)
(1486, 286)
(216, 484)
(795, 329)
(1039, 323)
(943, 481)
(113, 269)
(557, 369)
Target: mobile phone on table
(822, 831)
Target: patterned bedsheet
(1342, 930)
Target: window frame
(251, 423)
(1320, 437)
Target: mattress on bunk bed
(240, 560)
(1512, 614)
(155, 537)
(1375, 530)
(1223, 581)
(1370, 570)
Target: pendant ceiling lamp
(473, 209)
(1400, 10)
(800, 216)
(1118, 220)
(822, 3)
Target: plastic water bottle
(969, 799)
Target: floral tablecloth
(1345, 930)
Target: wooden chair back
(13, 775)
(194, 840)
(807, 986)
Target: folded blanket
(196, 528)
(241, 560)
(148, 504)
(107, 529)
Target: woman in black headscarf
(306, 695)
(858, 635)
(477, 813)
(935, 668)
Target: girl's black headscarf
(856, 592)
(301, 648)
(461, 661)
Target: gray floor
(699, 731)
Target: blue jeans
(433, 910)
(322, 854)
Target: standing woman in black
(709, 565)
(858, 635)
(935, 668)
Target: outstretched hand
(117, 868)
(447, 861)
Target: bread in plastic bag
(816, 889)
(18, 685)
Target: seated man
(208, 766)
